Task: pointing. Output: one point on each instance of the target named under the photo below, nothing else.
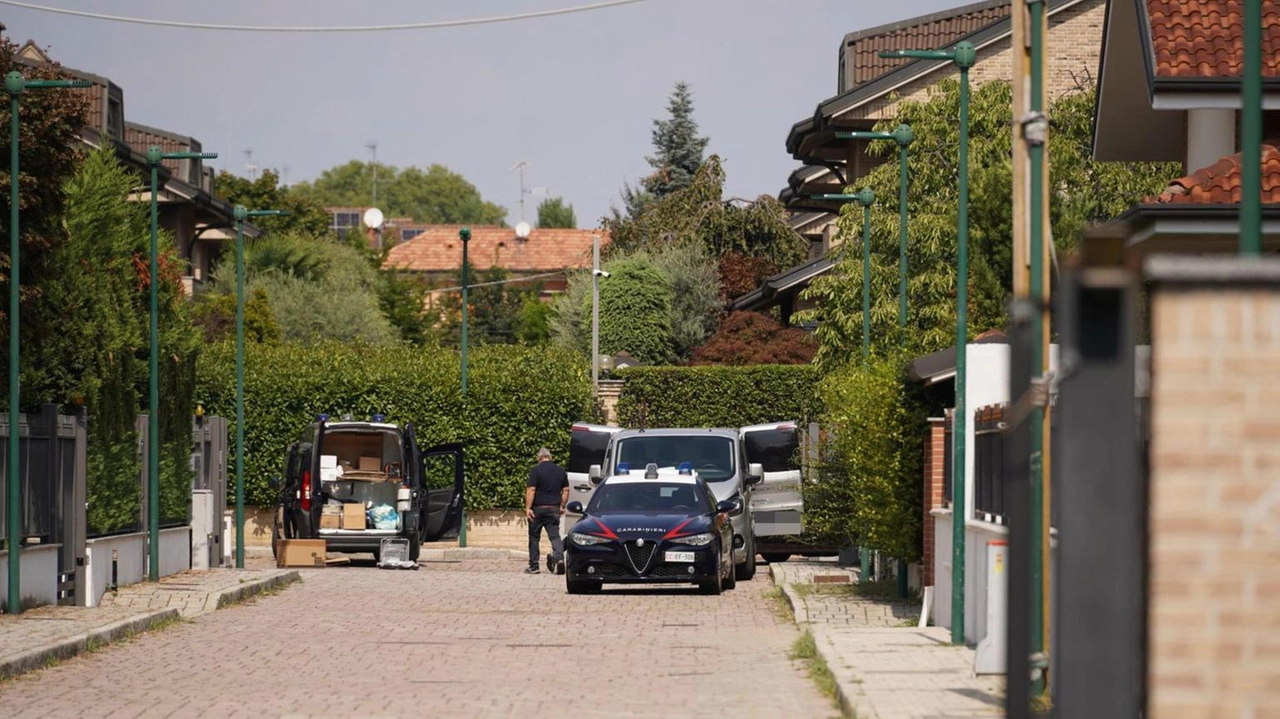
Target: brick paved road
(474, 639)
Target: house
(394, 229)
(1169, 90)
(870, 89)
(200, 223)
(545, 256)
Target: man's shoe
(560, 566)
(551, 564)
(531, 570)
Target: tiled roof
(1204, 38)
(1219, 183)
(928, 32)
(438, 249)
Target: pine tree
(679, 149)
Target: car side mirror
(731, 507)
(574, 507)
(595, 474)
(755, 473)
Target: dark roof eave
(923, 19)
(1208, 85)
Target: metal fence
(988, 463)
(51, 470)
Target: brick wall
(1075, 43)
(1214, 579)
(934, 446)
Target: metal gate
(208, 490)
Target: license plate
(679, 556)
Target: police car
(652, 527)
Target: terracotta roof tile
(935, 31)
(1219, 183)
(438, 249)
(1205, 38)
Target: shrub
(869, 492)
(635, 311)
(747, 338)
(717, 396)
(518, 400)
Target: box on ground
(353, 516)
(300, 553)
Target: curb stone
(231, 595)
(847, 696)
(40, 657)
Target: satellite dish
(523, 229)
(373, 218)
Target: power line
(510, 281)
(333, 28)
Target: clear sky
(574, 96)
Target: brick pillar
(1214, 579)
(934, 465)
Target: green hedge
(519, 399)
(718, 396)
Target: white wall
(175, 550)
(131, 563)
(37, 573)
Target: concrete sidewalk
(885, 667)
(43, 635)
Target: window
(409, 234)
(342, 220)
(710, 455)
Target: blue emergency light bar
(686, 468)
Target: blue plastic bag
(384, 516)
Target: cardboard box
(328, 461)
(353, 516)
(331, 521)
(370, 464)
(300, 553)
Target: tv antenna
(372, 147)
(248, 160)
(540, 191)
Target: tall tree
(1085, 191)
(553, 213)
(266, 193)
(436, 195)
(678, 149)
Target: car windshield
(648, 497)
(711, 456)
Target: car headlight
(586, 540)
(697, 540)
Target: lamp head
(154, 155)
(965, 55)
(14, 83)
(866, 197)
(240, 212)
(903, 135)
(465, 234)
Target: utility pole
(595, 313)
(372, 147)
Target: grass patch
(778, 602)
(885, 590)
(805, 651)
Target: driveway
(459, 639)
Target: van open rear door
(777, 505)
(442, 510)
(587, 445)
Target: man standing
(544, 499)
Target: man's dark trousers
(548, 517)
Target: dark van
(354, 483)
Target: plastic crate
(394, 552)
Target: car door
(777, 505)
(445, 499)
(587, 446)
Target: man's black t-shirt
(548, 479)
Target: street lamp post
(595, 314)
(1251, 132)
(464, 235)
(902, 135)
(963, 56)
(15, 84)
(241, 213)
(154, 157)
